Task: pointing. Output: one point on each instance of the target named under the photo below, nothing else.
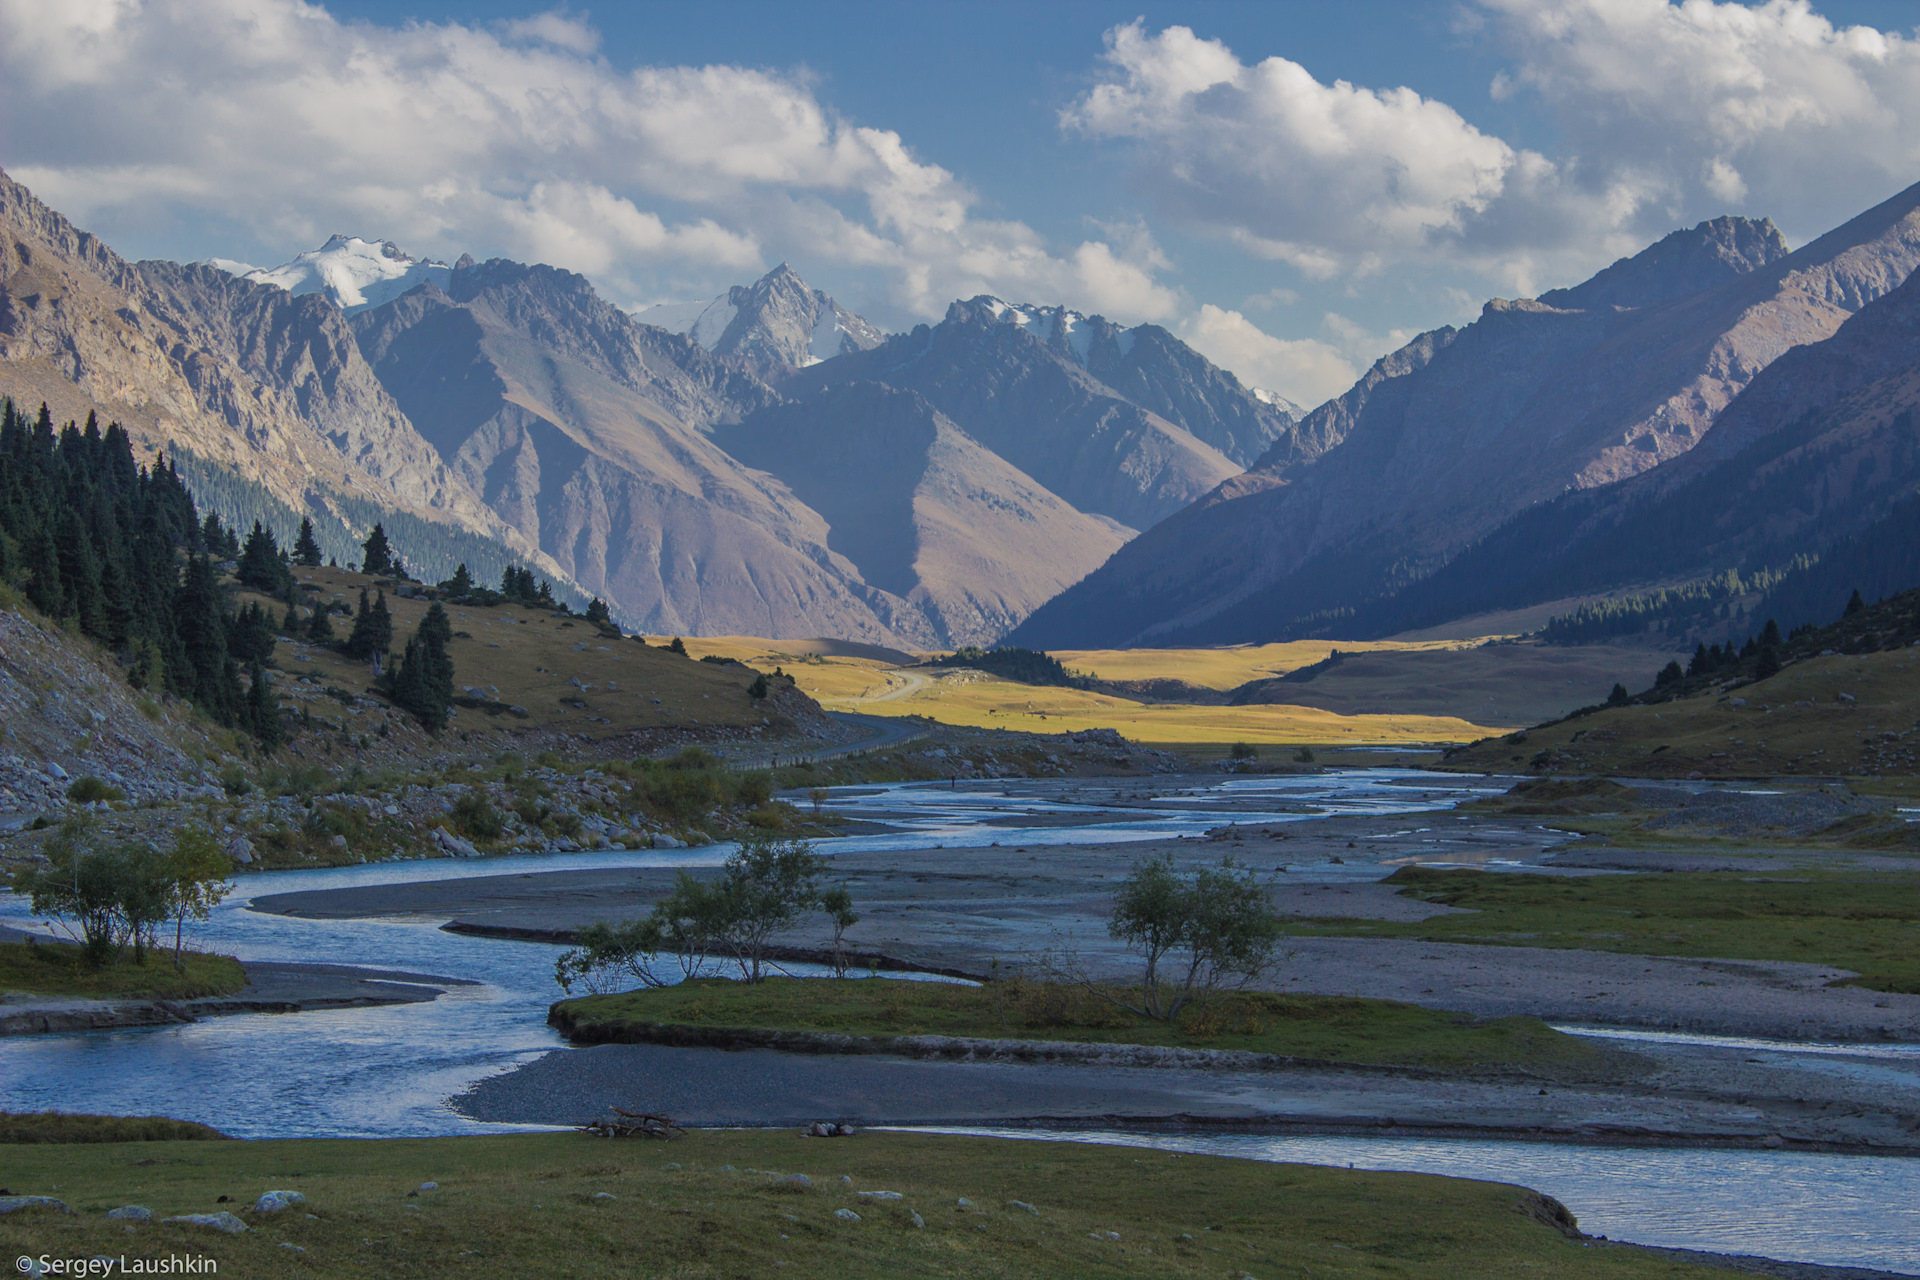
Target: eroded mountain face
(1444, 441)
(243, 375)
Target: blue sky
(1295, 188)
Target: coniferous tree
(306, 549)
(598, 613)
(382, 624)
(320, 626)
(260, 565)
(376, 556)
(359, 643)
(423, 682)
(210, 677)
(41, 560)
(263, 710)
(80, 573)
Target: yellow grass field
(1229, 668)
(846, 680)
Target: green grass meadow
(61, 970)
(571, 1206)
(1868, 924)
(1322, 1028)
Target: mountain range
(768, 462)
(779, 468)
(1484, 467)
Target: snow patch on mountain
(352, 272)
(1278, 401)
(1044, 322)
(778, 318)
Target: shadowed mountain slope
(1447, 439)
(1822, 448)
(922, 509)
(1018, 380)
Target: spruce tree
(1854, 603)
(460, 584)
(423, 682)
(40, 559)
(306, 550)
(260, 566)
(359, 643)
(376, 556)
(381, 623)
(263, 709)
(320, 626)
(598, 613)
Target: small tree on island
(196, 871)
(766, 886)
(1196, 932)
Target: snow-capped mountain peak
(779, 318)
(1073, 328)
(353, 272)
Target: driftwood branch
(633, 1124)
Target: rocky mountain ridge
(777, 321)
(922, 491)
(1447, 439)
(247, 377)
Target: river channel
(390, 1071)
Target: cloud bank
(516, 139)
(1667, 113)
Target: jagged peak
(1682, 262)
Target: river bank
(284, 987)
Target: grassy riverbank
(566, 1205)
(60, 970)
(62, 1127)
(1326, 1028)
(1869, 924)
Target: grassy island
(1320, 1028)
(711, 1205)
(1869, 923)
(61, 970)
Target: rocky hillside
(245, 376)
(1445, 440)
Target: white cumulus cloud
(1665, 112)
(518, 139)
(1319, 175)
(1306, 371)
(1709, 105)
